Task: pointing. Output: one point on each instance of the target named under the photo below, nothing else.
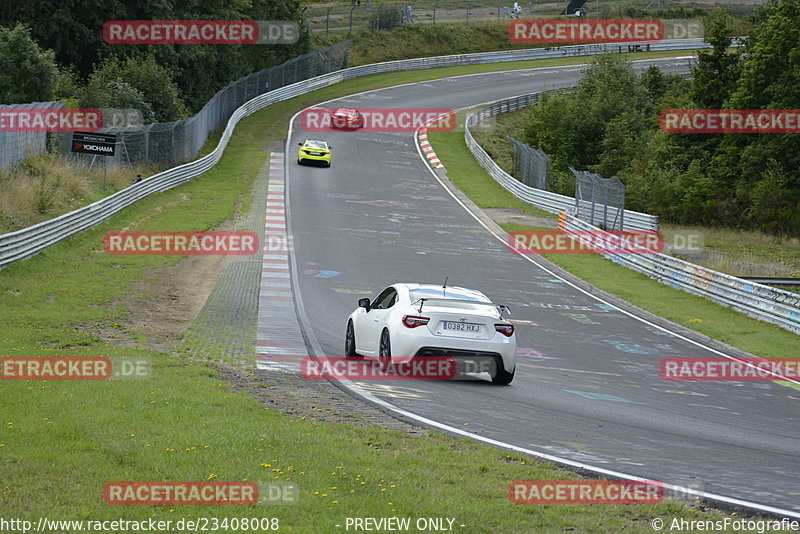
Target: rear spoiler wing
(500, 307)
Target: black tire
(350, 343)
(299, 161)
(503, 377)
(385, 351)
(327, 163)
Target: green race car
(313, 150)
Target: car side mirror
(330, 146)
(363, 303)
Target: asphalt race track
(587, 386)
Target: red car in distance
(347, 118)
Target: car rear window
(448, 293)
(316, 144)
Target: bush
(385, 17)
(27, 73)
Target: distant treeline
(610, 125)
(55, 50)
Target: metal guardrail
(29, 241)
(762, 302)
(776, 282)
(545, 200)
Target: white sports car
(413, 320)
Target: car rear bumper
(483, 360)
(499, 348)
(308, 157)
(346, 125)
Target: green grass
(495, 140)
(60, 442)
(691, 311)
(467, 175)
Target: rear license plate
(315, 153)
(462, 327)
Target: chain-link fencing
(599, 201)
(345, 18)
(531, 165)
(173, 143)
(16, 146)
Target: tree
(714, 77)
(27, 73)
(135, 83)
(767, 166)
(570, 127)
(73, 30)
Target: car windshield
(316, 144)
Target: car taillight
(326, 153)
(306, 151)
(413, 321)
(505, 329)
